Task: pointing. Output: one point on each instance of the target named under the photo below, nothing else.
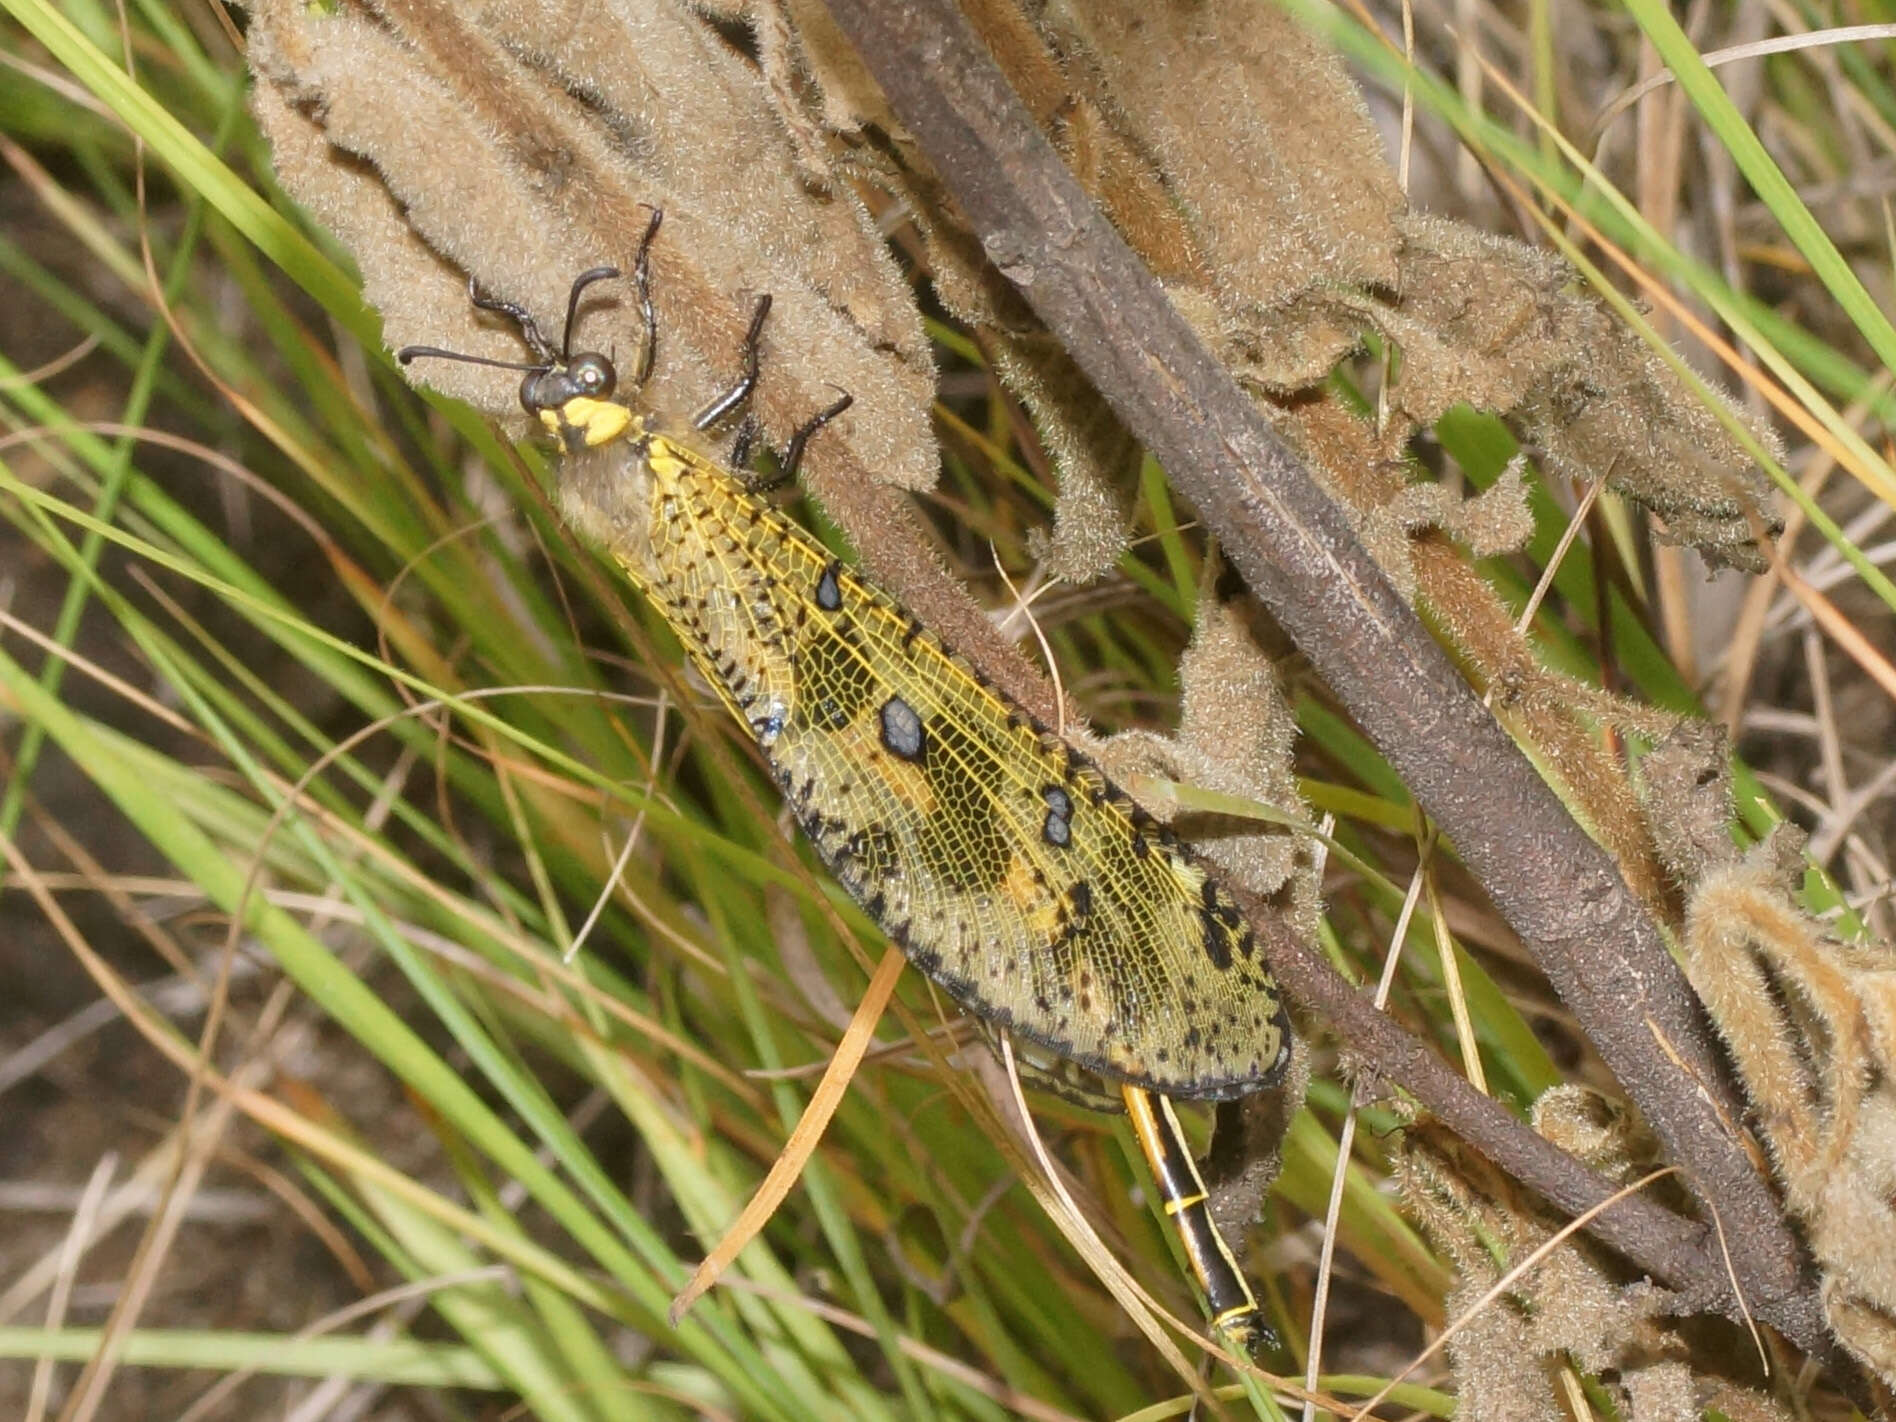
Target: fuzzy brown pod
(517, 142)
(1572, 1308)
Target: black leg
(529, 332)
(792, 453)
(642, 280)
(746, 442)
(580, 283)
(731, 399)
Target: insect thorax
(606, 494)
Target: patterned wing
(1009, 869)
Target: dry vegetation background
(290, 888)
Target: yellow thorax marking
(599, 422)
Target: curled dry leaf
(1811, 1023)
(1505, 327)
(1605, 1131)
(1248, 1142)
(1572, 1308)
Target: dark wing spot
(1080, 902)
(829, 588)
(902, 729)
(1056, 830)
(1217, 940)
(1058, 827)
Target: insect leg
(529, 329)
(731, 399)
(792, 453)
(745, 442)
(1182, 1194)
(580, 283)
(642, 281)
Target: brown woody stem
(1559, 890)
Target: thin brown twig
(1672, 1249)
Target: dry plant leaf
(1614, 409)
(1495, 521)
(1287, 196)
(1307, 244)
(1557, 714)
(1235, 738)
(1089, 449)
(1607, 1132)
(1283, 236)
(521, 141)
(1247, 1149)
(518, 143)
(1573, 1309)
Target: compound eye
(592, 374)
(540, 390)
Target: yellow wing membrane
(1009, 869)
